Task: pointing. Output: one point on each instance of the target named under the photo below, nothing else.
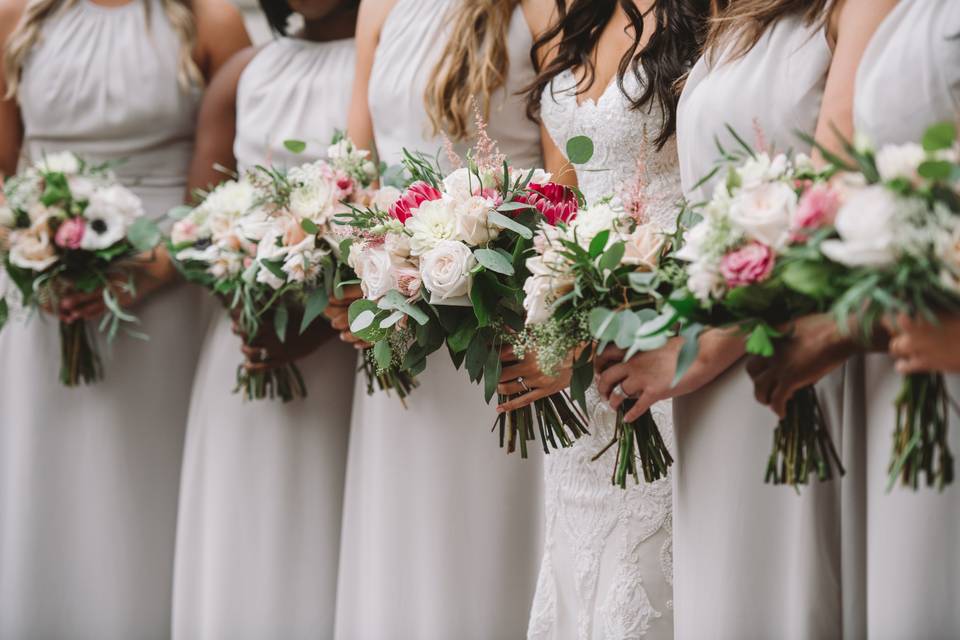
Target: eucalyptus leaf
(144, 234)
(498, 219)
(688, 352)
(940, 136)
(295, 146)
(391, 319)
(315, 305)
(580, 150)
(395, 301)
(494, 261)
(383, 354)
(611, 258)
(514, 206)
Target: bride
(608, 71)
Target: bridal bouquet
(894, 247)
(749, 265)
(265, 244)
(69, 226)
(443, 264)
(602, 276)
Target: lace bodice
(607, 570)
(626, 163)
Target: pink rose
(70, 233)
(748, 265)
(408, 281)
(817, 208)
(413, 197)
(556, 202)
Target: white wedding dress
(607, 568)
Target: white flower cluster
(551, 273)
(92, 214)
(431, 237)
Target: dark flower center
(98, 226)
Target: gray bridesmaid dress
(908, 80)
(89, 477)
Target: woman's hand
(815, 348)
(265, 351)
(525, 377)
(919, 346)
(139, 279)
(647, 377)
(338, 313)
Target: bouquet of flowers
(69, 226)
(894, 248)
(265, 244)
(749, 265)
(602, 276)
(443, 264)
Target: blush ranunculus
(70, 233)
(817, 208)
(556, 202)
(415, 195)
(748, 265)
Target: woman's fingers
(507, 354)
(520, 370)
(610, 378)
(640, 406)
(75, 301)
(610, 356)
(513, 386)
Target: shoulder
(373, 13)
(540, 15)
(10, 13)
(233, 68)
(213, 16)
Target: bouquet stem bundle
(638, 440)
(920, 439)
(557, 419)
(390, 379)
(802, 444)
(79, 361)
(285, 382)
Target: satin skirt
(258, 536)
(751, 560)
(442, 530)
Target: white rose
(537, 299)
(900, 161)
(445, 270)
(432, 222)
(643, 247)
(696, 241)
(63, 162)
(376, 269)
(600, 217)
(539, 176)
(866, 224)
(705, 280)
(81, 187)
(764, 212)
(472, 225)
(761, 168)
(384, 198)
(462, 183)
(32, 248)
(397, 244)
(549, 282)
(114, 201)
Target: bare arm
(373, 13)
(220, 35)
(11, 125)
(216, 125)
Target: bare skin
(920, 346)
(220, 33)
(324, 21)
(373, 14)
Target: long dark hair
(278, 11)
(682, 27)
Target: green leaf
(179, 212)
(940, 136)
(309, 226)
(579, 149)
(476, 357)
(383, 354)
(688, 352)
(144, 234)
(611, 258)
(315, 305)
(280, 318)
(361, 314)
(484, 299)
(604, 325)
(760, 341)
(491, 374)
(4, 312)
(582, 378)
(275, 267)
(494, 261)
(935, 169)
(514, 206)
(395, 301)
(627, 331)
(599, 243)
(460, 339)
(502, 221)
(642, 281)
(295, 146)
(809, 278)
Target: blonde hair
(27, 33)
(742, 23)
(474, 64)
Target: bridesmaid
(441, 529)
(89, 477)
(258, 534)
(753, 560)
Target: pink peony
(556, 202)
(817, 208)
(748, 265)
(70, 233)
(413, 197)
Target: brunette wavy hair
(681, 31)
